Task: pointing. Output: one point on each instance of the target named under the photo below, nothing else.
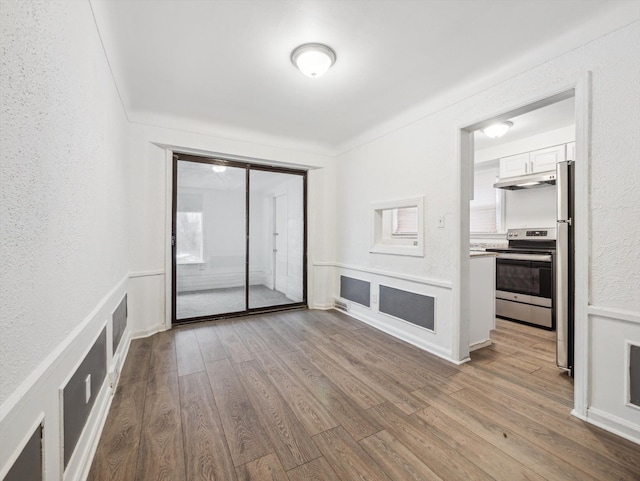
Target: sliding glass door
(238, 238)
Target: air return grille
(340, 304)
(409, 306)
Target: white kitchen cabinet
(482, 302)
(514, 165)
(571, 151)
(546, 159)
(532, 162)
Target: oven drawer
(540, 316)
(526, 298)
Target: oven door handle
(525, 257)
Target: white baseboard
(614, 424)
(578, 415)
(322, 307)
(141, 333)
(479, 345)
(403, 335)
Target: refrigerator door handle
(562, 266)
(562, 296)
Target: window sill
(411, 251)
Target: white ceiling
(223, 66)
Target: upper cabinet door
(546, 159)
(514, 165)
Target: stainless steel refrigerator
(564, 267)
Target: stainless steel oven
(525, 285)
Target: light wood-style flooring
(317, 395)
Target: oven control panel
(533, 234)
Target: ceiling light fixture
(218, 169)
(313, 59)
(497, 130)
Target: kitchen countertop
(480, 246)
(473, 254)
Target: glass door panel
(276, 238)
(210, 230)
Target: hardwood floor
(317, 395)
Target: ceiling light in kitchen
(218, 169)
(313, 59)
(497, 130)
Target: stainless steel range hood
(531, 181)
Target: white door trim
(580, 87)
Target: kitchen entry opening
(238, 238)
(517, 211)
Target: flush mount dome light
(218, 168)
(313, 59)
(497, 130)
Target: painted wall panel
(75, 409)
(438, 341)
(610, 371)
(415, 308)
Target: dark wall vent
(415, 308)
(634, 374)
(119, 322)
(355, 290)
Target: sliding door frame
(248, 166)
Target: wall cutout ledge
(398, 227)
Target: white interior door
(276, 239)
(281, 254)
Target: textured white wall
(615, 169)
(531, 208)
(414, 161)
(63, 177)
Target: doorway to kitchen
(238, 238)
(532, 330)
